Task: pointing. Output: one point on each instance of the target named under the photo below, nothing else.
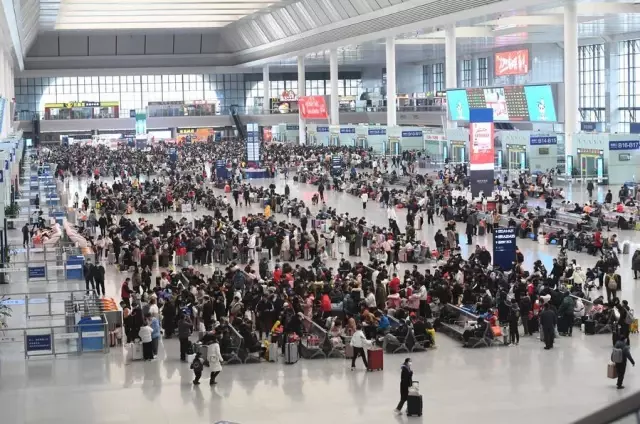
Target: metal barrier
(53, 305)
(63, 261)
(55, 340)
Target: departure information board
(515, 103)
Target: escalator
(625, 411)
(242, 130)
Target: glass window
(628, 61)
(591, 81)
(465, 73)
(438, 76)
(483, 71)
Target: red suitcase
(375, 360)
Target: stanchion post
(53, 342)
(49, 304)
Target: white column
(334, 118)
(266, 90)
(302, 125)
(3, 91)
(451, 58)
(391, 81)
(570, 75)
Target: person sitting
(476, 332)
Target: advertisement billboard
(313, 107)
(540, 103)
(515, 62)
(481, 152)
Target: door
(513, 160)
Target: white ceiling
(276, 31)
(146, 14)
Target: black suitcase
(590, 327)
(563, 325)
(414, 405)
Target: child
(197, 365)
(145, 336)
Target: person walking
(215, 361)
(197, 365)
(359, 342)
(25, 236)
(590, 188)
(184, 331)
(619, 356)
(406, 379)
(548, 322)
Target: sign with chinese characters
(324, 129)
(40, 342)
(377, 131)
(543, 140)
(313, 107)
(292, 127)
(409, 134)
(37, 272)
(435, 137)
(624, 145)
(347, 130)
(514, 62)
(504, 247)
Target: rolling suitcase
(111, 258)
(273, 352)
(563, 325)
(481, 230)
(291, 353)
(590, 327)
(375, 360)
(348, 351)
(414, 402)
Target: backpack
(197, 365)
(617, 356)
(629, 318)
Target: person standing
(365, 198)
(145, 333)
(514, 317)
(99, 279)
(406, 379)
(619, 356)
(321, 191)
(155, 333)
(358, 342)
(215, 361)
(184, 331)
(25, 236)
(548, 322)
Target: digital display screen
(458, 105)
(516, 103)
(540, 103)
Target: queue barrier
(64, 305)
(77, 339)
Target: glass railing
(626, 411)
(166, 113)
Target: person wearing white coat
(215, 361)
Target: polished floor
(523, 384)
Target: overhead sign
(543, 140)
(292, 127)
(624, 145)
(70, 105)
(313, 107)
(347, 130)
(514, 62)
(322, 129)
(435, 137)
(409, 134)
(377, 131)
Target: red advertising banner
(313, 107)
(481, 154)
(515, 62)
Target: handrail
(614, 412)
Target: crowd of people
(262, 293)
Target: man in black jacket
(548, 321)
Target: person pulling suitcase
(414, 399)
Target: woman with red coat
(597, 240)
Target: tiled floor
(522, 384)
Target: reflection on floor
(499, 385)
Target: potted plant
(5, 311)
(11, 211)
